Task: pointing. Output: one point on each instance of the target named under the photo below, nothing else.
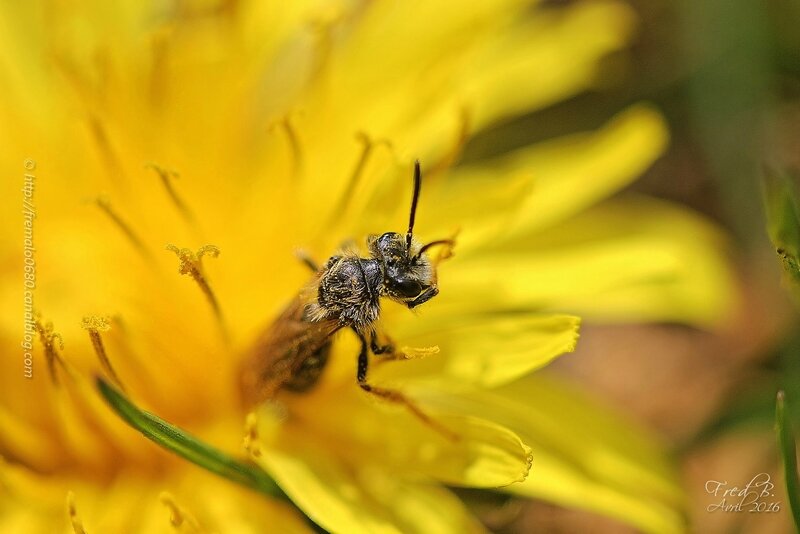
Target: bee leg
(423, 297)
(304, 257)
(388, 348)
(395, 396)
(388, 351)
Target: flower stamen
(105, 206)
(159, 48)
(250, 441)
(451, 156)
(179, 516)
(367, 146)
(167, 176)
(72, 513)
(321, 27)
(446, 248)
(95, 324)
(104, 146)
(294, 146)
(90, 94)
(416, 353)
(191, 263)
(51, 355)
(405, 353)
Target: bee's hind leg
(392, 395)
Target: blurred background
(726, 74)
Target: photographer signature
(755, 496)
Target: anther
(167, 177)
(95, 324)
(72, 513)
(52, 343)
(105, 206)
(250, 441)
(413, 353)
(408, 353)
(179, 516)
(191, 263)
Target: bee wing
(282, 348)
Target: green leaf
(783, 220)
(788, 453)
(187, 446)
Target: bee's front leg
(389, 352)
(387, 348)
(423, 297)
(392, 395)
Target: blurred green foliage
(788, 453)
(783, 222)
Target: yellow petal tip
(528, 462)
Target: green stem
(788, 453)
(187, 446)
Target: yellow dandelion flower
(237, 131)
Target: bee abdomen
(309, 371)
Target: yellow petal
(585, 456)
(524, 68)
(25, 442)
(573, 173)
(480, 58)
(482, 350)
(467, 66)
(456, 449)
(599, 463)
(485, 455)
(564, 484)
(360, 497)
(634, 259)
(89, 435)
(131, 503)
(547, 182)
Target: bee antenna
(449, 242)
(414, 199)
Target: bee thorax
(349, 291)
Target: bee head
(408, 277)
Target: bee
(345, 292)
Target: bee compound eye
(407, 287)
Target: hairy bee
(345, 293)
